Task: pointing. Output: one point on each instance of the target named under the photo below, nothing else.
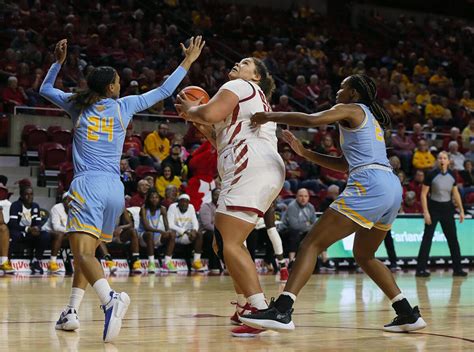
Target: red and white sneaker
(239, 310)
(284, 274)
(245, 331)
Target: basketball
(195, 92)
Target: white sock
(276, 240)
(151, 258)
(3, 260)
(102, 288)
(167, 259)
(241, 300)
(135, 255)
(292, 295)
(197, 256)
(53, 259)
(75, 298)
(258, 301)
(397, 298)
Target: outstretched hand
(294, 142)
(183, 104)
(194, 49)
(60, 51)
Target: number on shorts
(97, 125)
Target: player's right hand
(427, 217)
(60, 51)
(259, 118)
(194, 49)
(294, 142)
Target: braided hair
(365, 86)
(266, 81)
(97, 81)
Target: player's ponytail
(97, 81)
(266, 81)
(365, 86)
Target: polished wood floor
(335, 312)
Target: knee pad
(219, 243)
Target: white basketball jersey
(236, 128)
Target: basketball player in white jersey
(251, 169)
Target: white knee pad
(276, 240)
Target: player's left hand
(461, 217)
(259, 118)
(294, 142)
(194, 49)
(183, 104)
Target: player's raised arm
(349, 112)
(137, 103)
(47, 90)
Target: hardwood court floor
(335, 312)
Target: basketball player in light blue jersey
(367, 207)
(96, 193)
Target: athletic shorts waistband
(370, 167)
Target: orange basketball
(195, 92)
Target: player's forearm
(336, 163)
(202, 115)
(208, 132)
(47, 89)
(458, 201)
(164, 91)
(298, 119)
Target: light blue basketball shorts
(372, 198)
(96, 203)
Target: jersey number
(97, 125)
(378, 131)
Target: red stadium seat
(4, 130)
(142, 171)
(63, 137)
(51, 155)
(31, 137)
(54, 128)
(65, 176)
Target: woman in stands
(96, 192)
(251, 169)
(368, 206)
(154, 231)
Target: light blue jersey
(96, 193)
(365, 144)
(373, 193)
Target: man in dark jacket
(25, 227)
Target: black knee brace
(219, 244)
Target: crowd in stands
(423, 71)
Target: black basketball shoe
(270, 318)
(406, 323)
(35, 267)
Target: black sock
(284, 303)
(108, 258)
(402, 307)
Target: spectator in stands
(470, 154)
(468, 132)
(333, 177)
(283, 104)
(435, 111)
(127, 176)
(411, 110)
(171, 196)
(154, 231)
(410, 205)
(5, 264)
(56, 226)
(296, 222)
(132, 148)
(418, 133)
(454, 135)
(182, 219)
(175, 162)
(403, 180)
(126, 232)
(313, 88)
(395, 163)
(466, 101)
(332, 194)
(138, 199)
(416, 184)
(467, 177)
(436, 199)
(457, 159)
(206, 219)
(13, 95)
(403, 147)
(395, 109)
(25, 227)
(421, 69)
(157, 145)
(300, 91)
(167, 178)
(422, 158)
(439, 82)
(423, 97)
(293, 171)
